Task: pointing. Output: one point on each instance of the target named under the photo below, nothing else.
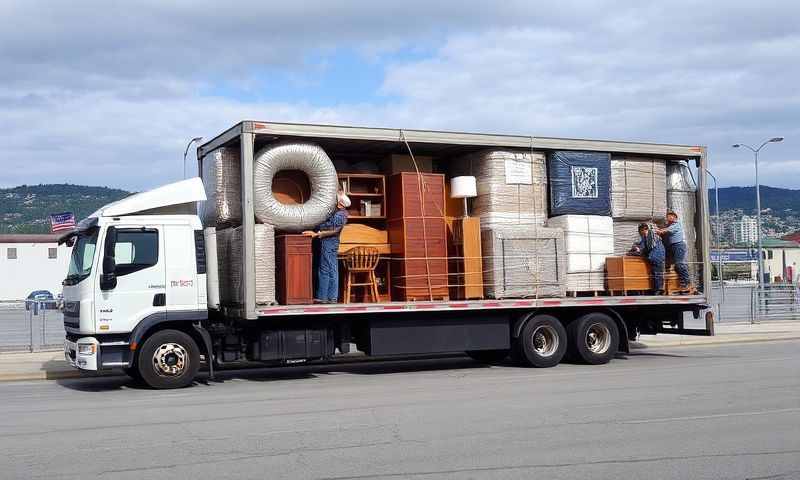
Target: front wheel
(168, 359)
(541, 343)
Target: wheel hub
(169, 359)
(598, 338)
(545, 340)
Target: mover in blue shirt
(650, 247)
(328, 261)
(675, 241)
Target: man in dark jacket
(650, 247)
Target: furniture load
(638, 188)
(361, 262)
(526, 262)
(294, 267)
(222, 179)
(418, 236)
(466, 262)
(512, 186)
(229, 257)
(580, 183)
(589, 240)
(627, 274)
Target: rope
(422, 209)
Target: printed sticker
(584, 182)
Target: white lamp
(464, 187)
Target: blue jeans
(328, 271)
(678, 254)
(657, 265)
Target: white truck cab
(132, 267)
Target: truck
(136, 293)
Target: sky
(109, 93)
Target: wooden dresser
(293, 270)
(418, 237)
(465, 258)
(629, 274)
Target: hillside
(26, 209)
(744, 198)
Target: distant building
(794, 236)
(781, 260)
(745, 230)
(31, 262)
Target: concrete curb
(68, 373)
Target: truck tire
(168, 359)
(542, 342)
(488, 356)
(133, 372)
(593, 338)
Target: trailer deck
(505, 304)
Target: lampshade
(463, 187)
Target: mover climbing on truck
(493, 245)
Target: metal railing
(777, 301)
(31, 326)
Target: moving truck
(137, 294)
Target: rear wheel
(168, 359)
(593, 338)
(541, 343)
(488, 356)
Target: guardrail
(31, 326)
(777, 301)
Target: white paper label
(584, 182)
(518, 171)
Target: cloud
(99, 95)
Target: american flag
(62, 221)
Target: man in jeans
(650, 247)
(675, 241)
(328, 260)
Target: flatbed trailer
(161, 340)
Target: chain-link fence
(743, 302)
(31, 326)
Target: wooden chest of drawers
(633, 274)
(409, 191)
(293, 270)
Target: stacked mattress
(638, 188)
(588, 239)
(580, 183)
(221, 174)
(526, 262)
(512, 186)
(229, 257)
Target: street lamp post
(758, 206)
(719, 234)
(195, 139)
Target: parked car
(44, 298)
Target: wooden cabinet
(466, 259)
(367, 194)
(294, 266)
(633, 274)
(412, 195)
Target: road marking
(706, 417)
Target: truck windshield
(80, 264)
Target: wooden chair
(361, 260)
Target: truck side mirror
(108, 279)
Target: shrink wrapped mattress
(588, 240)
(314, 162)
(512, 186)
(580, 183)
(638, 188)
(523, 262)
(229, 256)
(626, 233)
(222, 179)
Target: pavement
(52, 366)
(700, 412)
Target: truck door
(182, 278)
(140, 274)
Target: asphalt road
(728, 411)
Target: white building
(746, 230)
(31, 262)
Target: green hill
(782, 201)
(26, 209)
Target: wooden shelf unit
(364, 187)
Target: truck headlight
(86, 348)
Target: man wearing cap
(675, 241)
(328, 262)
